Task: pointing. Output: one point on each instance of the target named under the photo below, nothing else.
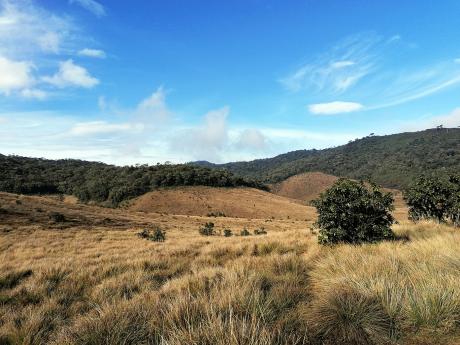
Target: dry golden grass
(304, 187)
(91, 280)
(232, 202)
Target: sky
(128, 82)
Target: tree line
(106, 184)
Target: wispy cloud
(33, 41)
(28, 30)
(415, 84)
(368, 67)
(94, 53)
(103, 127)
(336, 107)
(70, 74)
(338, 69)
(91, 5)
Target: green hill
(390, 160)
(102, 183)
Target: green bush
(245, 232)
(159, 235)
(207, 229)
(434, 197)
(351, 212)
(228, 232)
(260, 231)
(156, 234)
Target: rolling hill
(390, 160)
(304, 187)
(230, 202)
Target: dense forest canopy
(109, 184)
(391, 160)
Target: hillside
(105, 184)
(231, 202)
(390, 160)
(90, 279)
(304, 187)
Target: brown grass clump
(93, 282)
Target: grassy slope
(392, 160)
(232, 202)
(304, 187)
(91, 280)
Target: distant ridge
(390, 160)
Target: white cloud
(15, 75)
(252, 139)
(34, 94)
(207, 140)
(50, 42)
(91, 5)
(70, 74)
(27, 29)
(94, 53)
(154, 108)
(417, 85)
(340, 68)
(342, 64)
(103, 127)
(336, 107)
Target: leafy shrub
(216, 214)
(245, 232)
(57, 217)
(434, 197)
(159, 235)
(156, 234)
(352, 212)
(260, 231)
(207, 229)
(228, 232)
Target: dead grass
(94, 283)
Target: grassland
(92, 280)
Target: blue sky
(154, 81)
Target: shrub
(157, 234)
(434, 197)
(245, 232)
(260, 231)
(352, 212)
(216, 214)
(228, 232)
(207, 229)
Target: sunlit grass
(111, 287)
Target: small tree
(351, 212)
(260, 231)
(245, 232)
(228, 233)
(434, 197)
(158, 235)
(207, 229)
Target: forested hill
(391, 160)
(109, 184)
